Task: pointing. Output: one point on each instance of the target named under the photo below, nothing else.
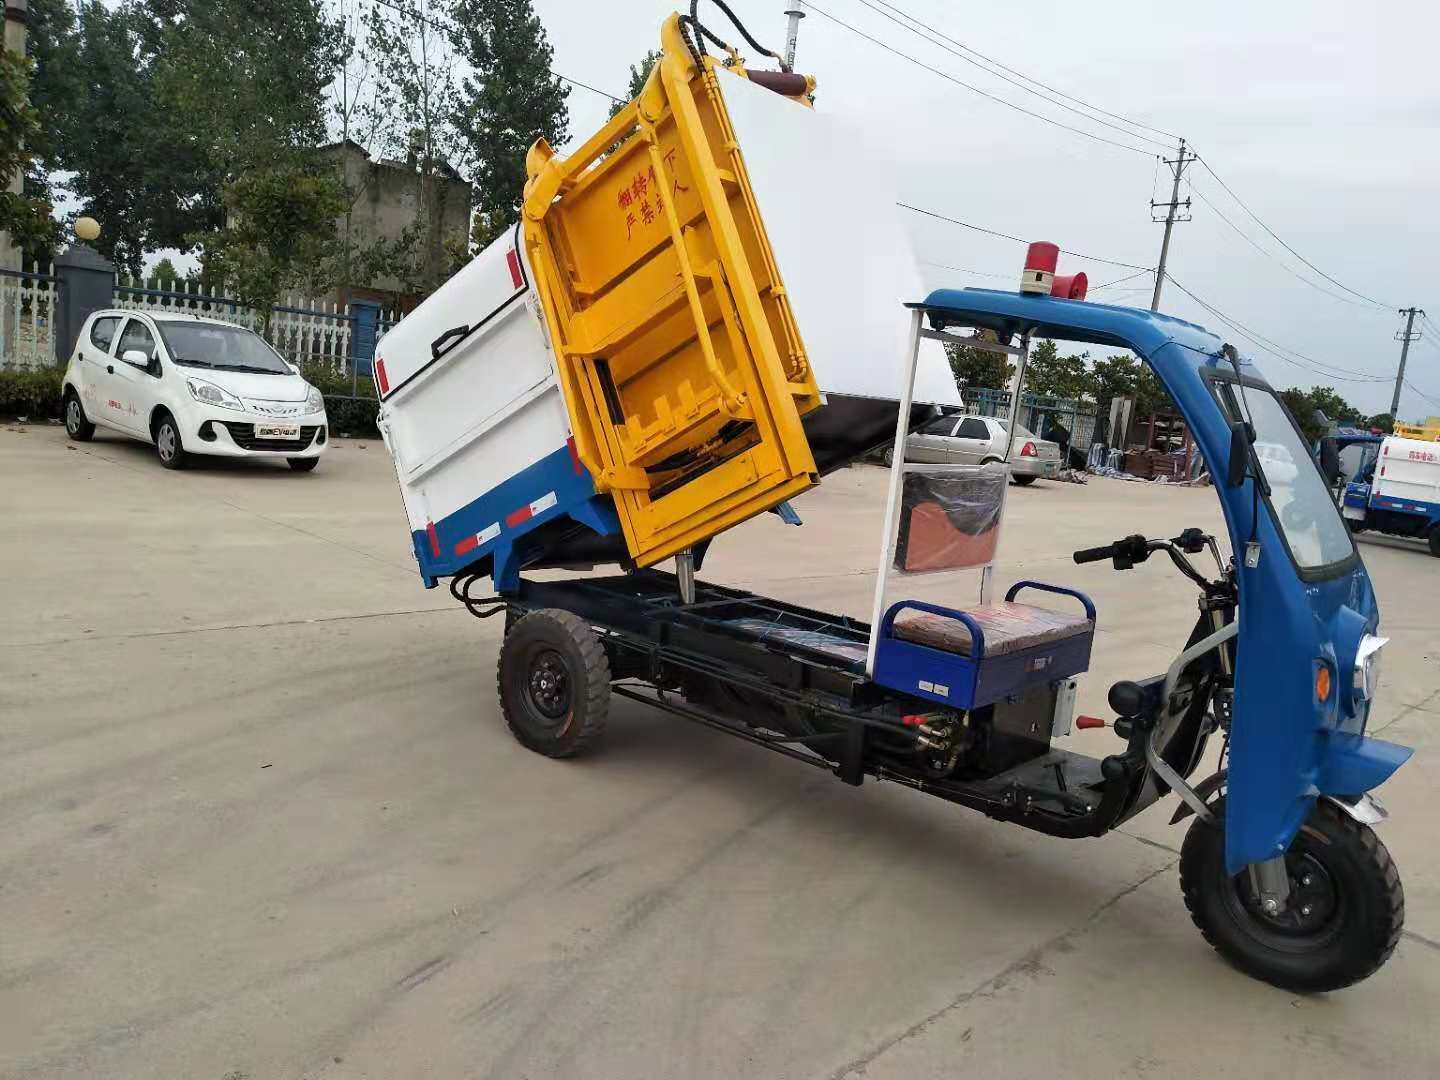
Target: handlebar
(1129, 551)
(1095, 554)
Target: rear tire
(1435, 541)
(554, 682)
(1024, 481)
(889, 458)
(168, 446)
(1344, 916)
(77, 424)
(303, 464)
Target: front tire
(77, 424)
(168, 446)
(554, 681)
(1343, 918)
(303, 464)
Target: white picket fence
(27, 319)
(306, 331)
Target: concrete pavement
(259, 817)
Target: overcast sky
(1323, 116)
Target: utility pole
(792, 32)
(1404, 337)
(1172, 208)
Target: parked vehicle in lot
(1391, 485)
(976, 440)
(190, 385)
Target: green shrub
(351, 416)
(33, 393)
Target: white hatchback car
(191, 386)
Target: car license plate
(277, 431)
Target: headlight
(1367, 666)
(210, 394)
(314, 401)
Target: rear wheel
(554, 683)
(167, 443)
(77, 424)
(1024, 481)
(1435, 541)
(1341, 921)
(889, 458)
(303, 464)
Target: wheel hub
(549, 684)
(1309, 909)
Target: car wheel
(1024, 481)
(168, 445)
(77, 424)
(1435, 541)
(889, 458)
(303, 464)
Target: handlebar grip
(1095, 554)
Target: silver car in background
(975, 440)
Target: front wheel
(1342, 919)
(168, 445)
(303, 464)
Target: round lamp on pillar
(87, 229)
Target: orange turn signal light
(1322, 683)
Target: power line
(1424, 396)
(1117, 281)
(450, 28)
(922, 30)
(1027, 78)
(1016, 239)
(1277, 350)
(974, 89)
(1276, 236)
(1267, 252)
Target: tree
(236, 85)
(25, 217)
(1383, 422)
(979, 368)
(165, 273)
(1047, 372)
(1304, 404)
(639, 73)
(410, 116)
(509, 101)
(281, 233)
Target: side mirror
(1241, 436)
(1329, 460)
(136, 358)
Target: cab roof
(1011, 313)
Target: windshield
(1299, 499)
(230, 348)
(1357, 459)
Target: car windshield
(1300, 501)
(230, 348)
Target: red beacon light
(1040, 278)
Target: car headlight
(1367, 666)
(314, 401)
(209, 394)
